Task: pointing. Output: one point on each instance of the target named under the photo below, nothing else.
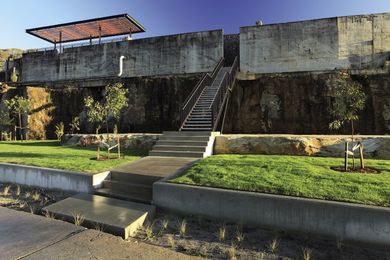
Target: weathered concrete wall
(299, 103)
(165, 55)
(345, 221)
(377, 147)
(50, 178)
(324, 44)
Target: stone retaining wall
(128, 141)
(377, 147)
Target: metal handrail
(219, 99)
(189, 103)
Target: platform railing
(206, 80)
(219, 100)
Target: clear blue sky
(162, 17)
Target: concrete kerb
(51, 178)
(344, 221)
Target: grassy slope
(50, 154)
(309, 177)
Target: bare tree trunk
(20, 126)
(353, 154)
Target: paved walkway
(27, 236)
(156, 166)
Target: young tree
(5, 122)
(113, 102)
(59, 131)
(349, 101)
(74, 125)
(18, 105)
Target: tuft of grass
(149, 231)
(306, 253)
(36, 196)
(171, 241)
(339, 244)
(182, 227)
(240, 236)
(47, 214)
(78, 219)
(164, 225)
(32, 210)
(99, 227)
(18, 190)
(222, 233)
(232, 252)
(6, 190)
(273, 245)
(301, 176)
(27, 195)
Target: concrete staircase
(193, 144)
(200, 118)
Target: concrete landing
(134, 181)
(156, 166)
(117, 217)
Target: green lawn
(51, 155)
(309, 177)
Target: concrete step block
(128, 187)
(134, 177)
(189, 133)
(118, 217)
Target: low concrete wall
(351, 222)
(50, 178)
(377, 147)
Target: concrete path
(156, 166)
(27, 236)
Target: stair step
(140, 198)
(118, 217)
(197, 125)
(134, 178)
(176, 154)
(195, 133)
(197, 128)
(179, 148)
(199, 119)
(197, 122)
(190, 143)
(184, 138)
(128, 187)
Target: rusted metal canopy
(88, 29)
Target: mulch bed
(366, 170)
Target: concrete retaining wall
(165, 55)
(50, 178)
(345, 221)
(325, 44)
(377, 147)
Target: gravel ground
(196, 236)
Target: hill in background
(5, 53)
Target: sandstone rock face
(377, 147)
(143, 142)
(299, 103)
